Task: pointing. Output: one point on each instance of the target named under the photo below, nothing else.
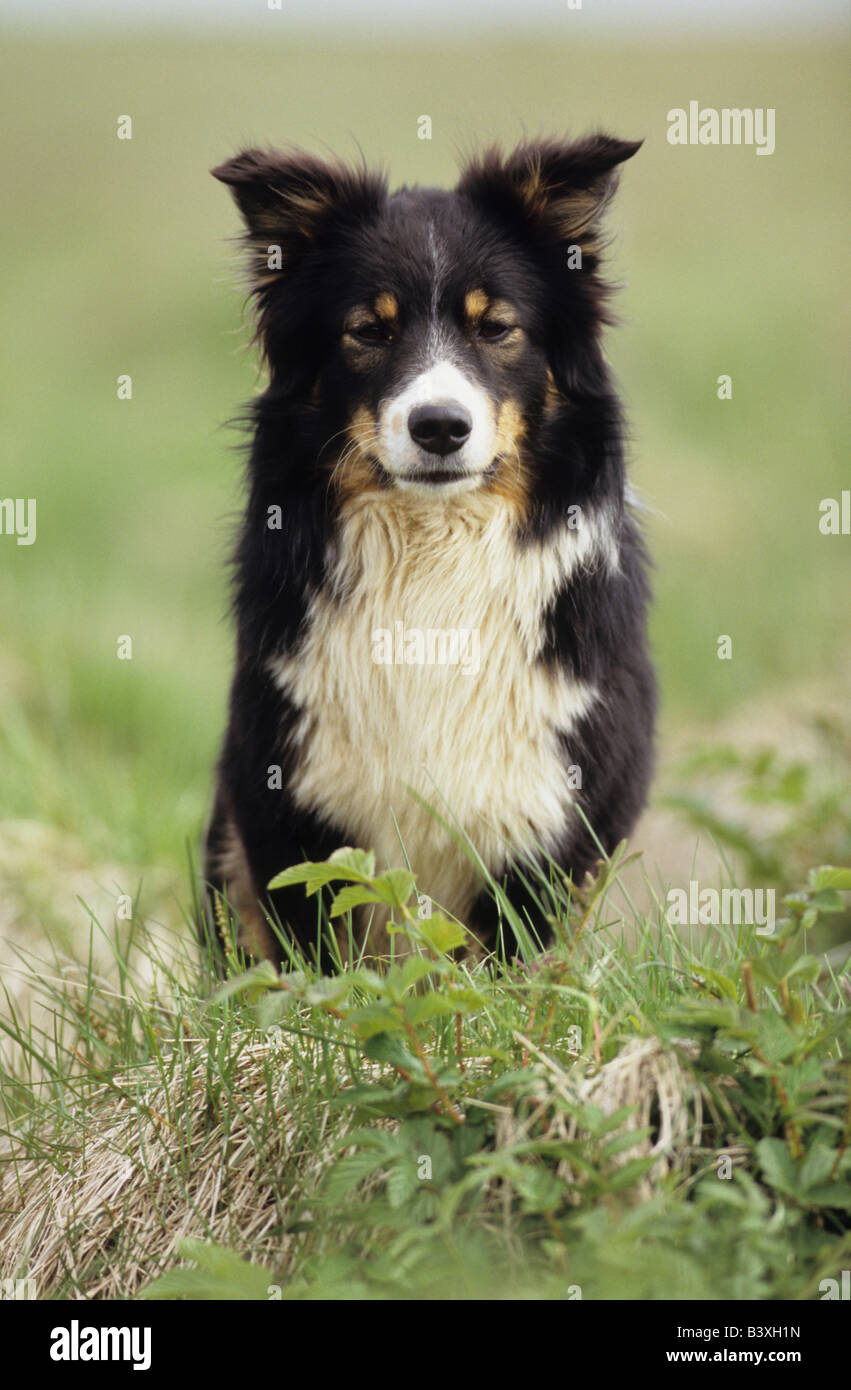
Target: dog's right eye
(370, 333)
(493, 330)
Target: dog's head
(433, 333)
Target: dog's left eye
(371, 333)
(493, 329)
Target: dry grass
(58, 911)
(102, 1215)
(161, 1163)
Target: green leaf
(355, 864)
(313, 876)
(775, 1040)
(630, 1172)
(329, 991)
(806, 1180)
(521, 1081)
(828, 877)
(219, 1274)
(777, 1165)
(375, 1018)
(353, 895)
(416, 968)
(707, 1013)
(539, 1189)
(722, 984)
(350, 1172)
(785, 927)
(817, 1166)
(274, 1005)
(441, 934)
(834, 1194)
(796, 901)
(465, 999)
(391, 1048)
(370, 980)
(402, 1182)
(379, 1099)
(827, 900)
(807, 968)
(395, 887)
(251, 982)
(425, 1006)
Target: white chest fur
(480, 745)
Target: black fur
(343, 239)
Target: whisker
(358, 442)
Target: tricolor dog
(440, 586)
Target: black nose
(441, 427)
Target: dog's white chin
(449, 487)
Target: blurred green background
(116, 260)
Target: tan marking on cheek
(354, 473)
(361, 421)
(513, 480)
(476, 304)
(386, 307)
(510, 426)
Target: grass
(636, 1114)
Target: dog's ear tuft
(562, 187)
(287, 199)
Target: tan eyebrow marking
(476, 304)
(357, 317)
(505, 312)
(387, 307)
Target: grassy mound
(637, 1113)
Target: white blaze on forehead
(436, 336)
(443, 382)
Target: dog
(440, 584)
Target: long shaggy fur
(370, 308)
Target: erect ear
(287, 200)
(561, 187)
